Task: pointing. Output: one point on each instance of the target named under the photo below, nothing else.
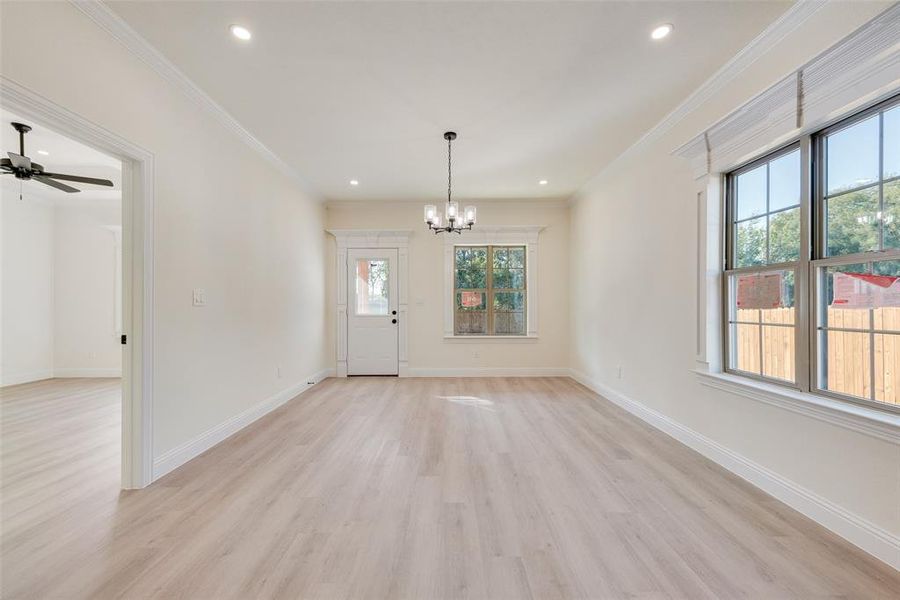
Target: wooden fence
(849, 371)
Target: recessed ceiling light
(354, 182)
(543, 182)
(43, 153)
(662, 31)
(241, 33)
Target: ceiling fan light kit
(456, 222)
(20, 166)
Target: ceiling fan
(22, 167)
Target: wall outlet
(476, 354)
(199, 297)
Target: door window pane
(372, 286)
(853, 156)
(852, 222)
(751, 193)
(784, 181)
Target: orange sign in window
(471, 299)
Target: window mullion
(489, 297)
(880, 181)
(803, 299)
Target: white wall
(85, 341)
(226, 221)
(633, 293)
(58, 279)
(429, 352)
(26, 331)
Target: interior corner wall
(26, 272)
(429, 352)
(232, 224)
(633, 304)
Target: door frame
(137, 268)
(347, 239)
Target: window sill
(880, 424)
(490, 338)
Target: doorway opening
(62, 319)
(128, 288)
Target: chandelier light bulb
(430, 212)
(470, 215)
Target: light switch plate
(199, 297)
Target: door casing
(346, 239)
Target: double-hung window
(812, 262)
(489, 290)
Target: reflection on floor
(412, 488)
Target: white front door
(372, 320)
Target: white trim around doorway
(371, 238)
(137, 272)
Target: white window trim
(495, 236)
(371, 238)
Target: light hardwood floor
(406, 488)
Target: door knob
(393, 320)
(393, 312)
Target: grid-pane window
(762, 323)
(489, 290)
(812, 277)
(856, 269)
(764, 213)
(862, 185)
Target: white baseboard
(490, 372)
(174, 458)
(26, 377)
(87, 372)
(875, 540)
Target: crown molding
(118, 28)
(779, 29)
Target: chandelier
(456, 223)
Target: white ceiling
(364, 90)
(65, 156)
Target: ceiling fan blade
(78, 178)
(5, 163)
(19, 161)
(55, 184)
